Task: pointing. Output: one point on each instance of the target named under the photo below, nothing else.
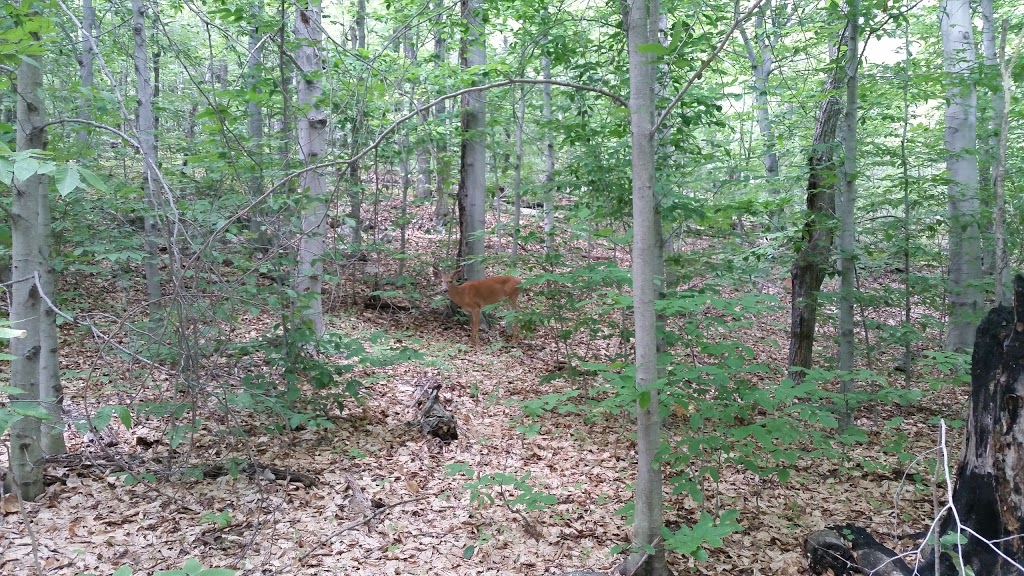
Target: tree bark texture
(146, 123)
(30, 257)
(312, 143)
(648, 517)
(846, 210)
(813, 257)
(962, 167)
(473, 172)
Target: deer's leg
(476, 325)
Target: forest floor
(383, 499)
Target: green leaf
(67, 180)
(11, 333)
(26, 168)
(123, 571)
(468, 552)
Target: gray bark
(253, 109)
(517, 172)
(30, 256)
(846, 211)
(355, 195)
(762, 62)
(641, 28)
(146, 122)
(473, 172)
(85, 66)
(312, 134)
(549, 163)
(439, 150)
(962, 166)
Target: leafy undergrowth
(370, 495)
(386, 501)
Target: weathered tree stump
(989, 491)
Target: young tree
(648, 557)
(473, 173)
(85, 63)
(768, 26)
(846, 211)
(962, 167)
(312, 134)
(146, 122)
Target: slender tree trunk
(442, 167)
(989, 140)
(762, 62)
(517, 177)
(312, 144)
(254, 111)
(549, 162)
(405, 48)
(648, 520)
(814, 252)
(85, 66)
(962, 165)
(355, 195)
(473, 173)
(846, 208)
(1002, 121)
(147, 141)
(907, 327)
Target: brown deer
(472, 296)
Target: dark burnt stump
(989, 490)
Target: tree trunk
(648, 519)
(846, 211)
(762, 62)
(1002, 121)
(312, 144)
(962, 166)
(31, 238)
(473, 173)
(146, 123)
(517, 172)
(440, 149)
(989, 142)
(549, 162)
(355, 194)
(814, 252)
(85, 66)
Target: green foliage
(488, 489)
(301, 387)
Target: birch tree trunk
(312, 144)
(146, 123)
(846, 211)
(962, 166)
(648, 518)
(473, 173)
